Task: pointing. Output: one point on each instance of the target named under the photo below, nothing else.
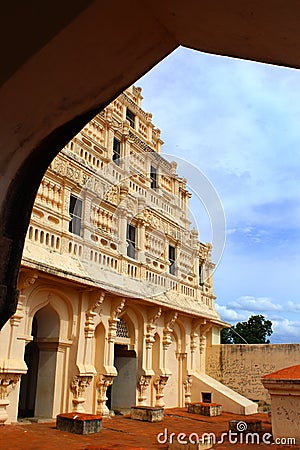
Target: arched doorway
(123, 390)
(37, 385)
(29, 380)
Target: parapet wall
(240, 367)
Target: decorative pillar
(193, 346)
(122, 216)
(7, 382)
(117, 308)
(149, 338)
(102, 383)
(142, 387)
(14, 351)
(159, 385)
(170, 320)
(180, 357)
(141, 238)
(194, 337)
(110, 140)
(78, 387)
(90, 326)
(187, 385)
(202, 344)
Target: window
(172, 259)
(116, 151)
(131, 239)
(130, 116)
(75, 211)
(201, 269)
(153, 177)
(206, 397)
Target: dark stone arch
(15, 215)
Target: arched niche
(37, 390)
(43, 296)
(100, 347)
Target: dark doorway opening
(122, 394)
(29, 380)
(37, 389)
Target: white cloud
(285, 331)
(292, 306)
(255, 304)
(230, 315)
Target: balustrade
(50, 194)
(44, 238)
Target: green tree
(254, 331)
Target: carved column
(159, 385)
(180, 357)
(202, 344)
(142, 387)
(149, 338)
(187, 384)
(202, 347)
(194, 338)
(122, 216)
(7, 382)
(102, 383)
(170, 320)
(116, 310)
(193, 346)
(78, 387)
(90, 326)
(110, 140)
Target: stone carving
(27, 278)
(59, 166)
(142, 387)
(169, 325)
(73, 173)
(151, 327)
(202, 344)
(187, 384)
(7, 382)
(116, 311)
(111, 195)
(78, 387)
(102, 383)
(159, 385)
(96, 300)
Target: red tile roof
(288, 373)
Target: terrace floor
(121, 432)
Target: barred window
(122, 330)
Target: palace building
(116, 304)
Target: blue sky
(238, 124)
